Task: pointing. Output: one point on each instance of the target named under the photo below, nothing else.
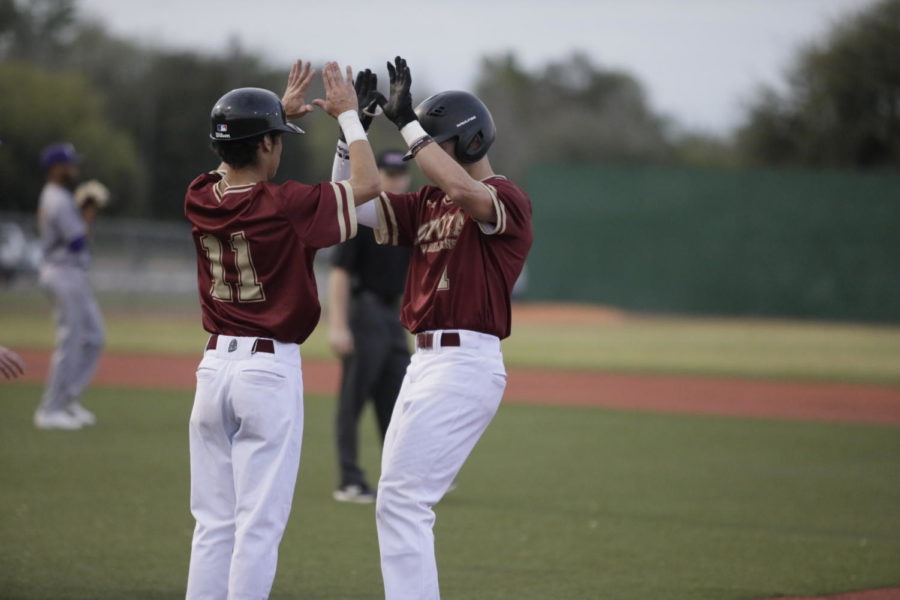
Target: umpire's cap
(462, 116)
(246, 112)
(60, 153)
(392, 162)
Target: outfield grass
(555, 504)
(740, 348)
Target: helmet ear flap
(470, 148)
(461, 117)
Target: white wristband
(352, 128)
(412, 132)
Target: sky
(699, 60)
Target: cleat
(357, 494)
(77, 410)
(57, 419)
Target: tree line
(139, 113)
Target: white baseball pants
(245, 432)
(448, 397)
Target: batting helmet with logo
(462, 116)
(246, 112)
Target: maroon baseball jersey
(461, 272)
(255, 248)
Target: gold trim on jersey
(345, 207)
(235, 189)
(387, 231)
(339, 201)
(351, 209)
(500, 226)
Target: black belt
(260, 345)
(425, 341)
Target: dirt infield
(655, 393)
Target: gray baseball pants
(79, 335)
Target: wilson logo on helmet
(248, 112)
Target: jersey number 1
(249, 289)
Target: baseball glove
(92, 191)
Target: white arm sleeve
(367, 215)
(340, 170)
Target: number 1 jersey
(255, 248)
(461, 272)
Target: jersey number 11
(249, 289)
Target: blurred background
(716, 190)
(699, 157)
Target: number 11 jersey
(255, 248)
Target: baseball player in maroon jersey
(470, 233)
(255, 245)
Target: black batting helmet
(246, 112)
(462, 116)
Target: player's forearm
(454, 181)
(340, 171)
(338, 298)
(363, 171)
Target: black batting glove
(368, 97)
(399, 106)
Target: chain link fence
(130, 257)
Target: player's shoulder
(429, 192)
(205, 180)
(200, 191)
(508, 190)
(505, 185)
(55, 197)
(295, 189)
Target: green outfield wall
(705, 241)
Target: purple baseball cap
(61, 153)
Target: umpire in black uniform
(365, 288)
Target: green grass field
(769, 349)
(554, 504)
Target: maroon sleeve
(322, 215)
(513, 207)
(398, 217)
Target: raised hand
(399, 106)
(339, 93)
(368, 97)
(301, 76)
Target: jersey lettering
(444, 283)
(219, 290)
(441, 232)
(248, 287)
